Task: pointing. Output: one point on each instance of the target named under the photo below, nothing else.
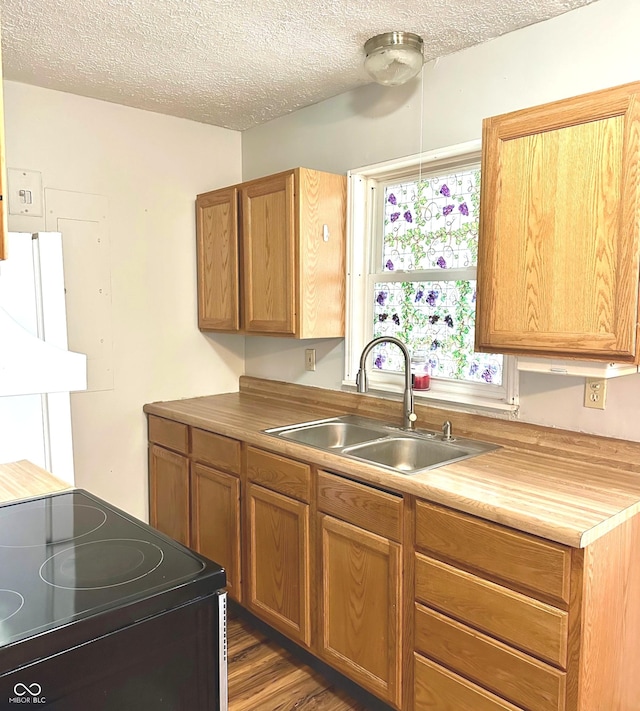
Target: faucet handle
(361, 381)
(446, 431)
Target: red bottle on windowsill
(420, 377)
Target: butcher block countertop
(564, 486)
(22, 480)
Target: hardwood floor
(263, 676)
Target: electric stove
(99, 610)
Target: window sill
(444, 401)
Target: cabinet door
(559, 229)
(215, 521)
(217, 248)
(360, 609)
(169, 493)
(320, 241)
(278, 568)
(268, 248)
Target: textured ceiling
(233, 63)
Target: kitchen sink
(411, 454)
(401, 451)
(335, 434)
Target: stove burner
(101, 564)
(10, 603)
(48, 522)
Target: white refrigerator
(34, 359)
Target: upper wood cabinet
(271, 256)
(559, 229)
(217, 234)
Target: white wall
(150, 168)
(584, 50)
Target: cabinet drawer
(361, 505)
(437, 689)
(493, 665)
(209, 448)
(528, 624)
(528, 562)
(279, 474)
(169, 434)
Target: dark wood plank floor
(265, 677)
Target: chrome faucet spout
(409, 416)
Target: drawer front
(528, 624)
(222, 452)
(530, 562)
(169, 434)
(498, 668)
(279, 474)
(361, 505)
(437, 689)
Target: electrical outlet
(595, 393)
(310, 359)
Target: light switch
(25, 192)
(310, 359)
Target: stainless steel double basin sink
(401, 451)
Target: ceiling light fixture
(393, 58)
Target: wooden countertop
(565, 498)
(21, 480)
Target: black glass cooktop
(70, 557)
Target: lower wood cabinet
(169, 493)
(278, 564)
(480, 644)
(428, 608)
(438, 689)
(508, 672)
(215, 521)
(516, 619)
(360, 606)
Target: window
(412, 274)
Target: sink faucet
(409, 416)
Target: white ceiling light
(393, 57)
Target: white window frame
(365, 190)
